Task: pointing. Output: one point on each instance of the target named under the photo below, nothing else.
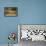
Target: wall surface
(29, 12)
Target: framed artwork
(10, 11)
